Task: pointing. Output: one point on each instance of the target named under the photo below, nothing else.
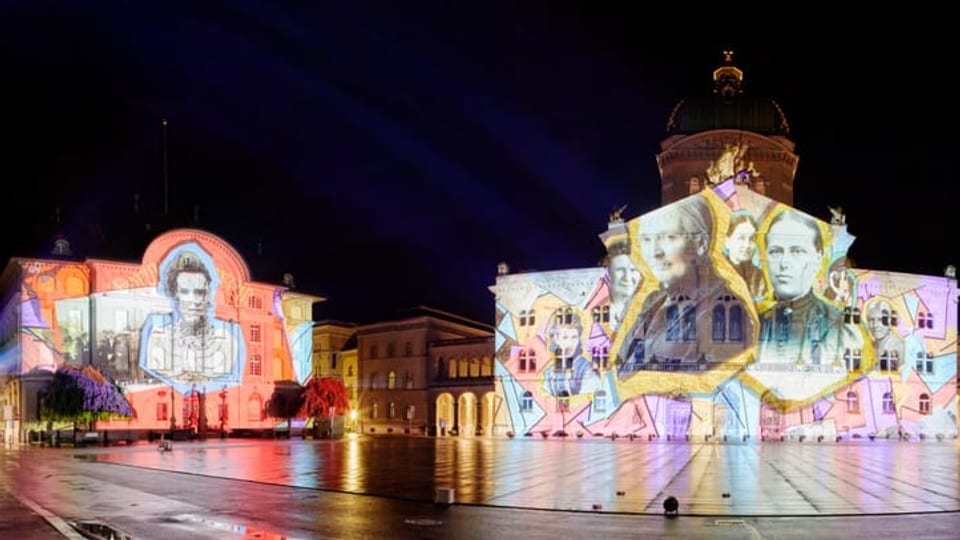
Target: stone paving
(710, 479)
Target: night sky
(391, 154)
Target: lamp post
(173, 414)
(223, 412)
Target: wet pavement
(384, 487)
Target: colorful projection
(727, 314)
(187, 334)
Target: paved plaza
(503, 488)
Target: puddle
(248, 532)
(99, 531)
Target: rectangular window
(333, 360)
(162, 413)
(255, 333)
(374, 352)
(390, 350)
(256, 368)
(408, 349)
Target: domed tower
(727, 134)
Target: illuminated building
(726, 313)
(427, 372)
(194, 342)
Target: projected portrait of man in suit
(189, 344)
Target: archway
(445, 414)
(467, 414)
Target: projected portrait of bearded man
(188, 344)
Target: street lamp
(223, 412)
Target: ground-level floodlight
(670, 505)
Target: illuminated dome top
(728, 108)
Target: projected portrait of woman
(188, 344)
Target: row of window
(463, 368)
(600, 402)
(392, 411)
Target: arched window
(719, 323)
(884, 360)
(853, 402)
(474, 367)
(526, 404)
(441, 373)
(673, 323)
(463, 368)
(391, 380)
(374, 410)
(888, 406)
(255, 408)
(486, 367)
(391, 410)
(924, 404)
(735, 317)
(452, 373)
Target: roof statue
(837, 216)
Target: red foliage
(322, 393)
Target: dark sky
(391, 154)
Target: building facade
(430, 372)
(192, 340)
(727, 312)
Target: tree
(83, 395)
(324, 397)
(286, 402)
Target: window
(530, 318)
(333, 360)
(373, 380)
(884, 360)
(408, 349)
(375, 410)
(526, 404)
(390, 350)
(600, 401)
(474, 367)
(673, 323)
(605, 314)
(719, 323)
(523, 317)
(893, 318)
(689, 322)
(557, 362)
(847, 315)
(391, 410)
(463, 368)
(486, 367)
(407, 380)
(852, 359)
(602, 360)
(888, 406)
(924, 404)
(853, 402)
(162, 411)
(349, 371)
(391, 380)
(563, 401)
(374, 352)
(523, 360)
(532, 360)
(596, 314)
(736, 324)
(452, 374)
(255, 333)
(856, 315)
(256, 366)
(255, 302)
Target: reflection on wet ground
(784, 479)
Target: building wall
(184, 349)
(866, 353)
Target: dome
(728, 108)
